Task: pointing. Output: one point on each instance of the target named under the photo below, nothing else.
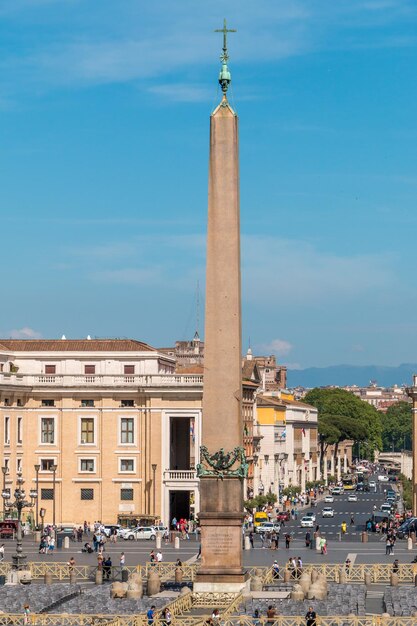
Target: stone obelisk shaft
(221, 498)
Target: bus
(349, 482)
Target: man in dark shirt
(311, 617)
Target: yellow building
(103, 428)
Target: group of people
(271, 614)
(184, 526)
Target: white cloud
(23, 333)
(280, 347)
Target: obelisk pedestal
(222, 465)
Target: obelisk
(222, 465)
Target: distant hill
(342, 375)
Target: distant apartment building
(103, 428)
(380, 397)
(273, 375)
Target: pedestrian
(152, 556)
(151, 615)
(343, 527)
(159, 556)
(271, 613)
(51, 545)
(122, 560)
(299, 567)
(352, 520)
(71, 565)
(275, 570)
(311, 617)
(166, 616)
(107, 565)
(388, 546)
(100, 559)
(308, 539)
(287, 541)
(347, 565)
(395, 567)
(26, 613)
(251, 539)
(256, 618)
(2, 553)
(215, 617)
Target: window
(47, 430)
(126, 494)
(19, 402)
(7, 430)
(6, 465)
(47, 465)
(87, 494)
(127, 403)
(19, 429)
(126, 430)
(6, 402)
(47, 402)
(18, 465)
(87, 403)
(89, 369)
(47, 494)
(129, 370)
(50, 369)
(87, 430)
(87, 465)
(127, 465)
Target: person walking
(395, 567)
(150, 614)
(26, 613)
(343, 528)
(271, 613)
(122, 560)
(166, 616)
(275, 570)
(71, 565)
(51, 545)
(311, 617)
(251, 539)
(287, 541)
(308, 539)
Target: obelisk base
(221, 536)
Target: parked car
(140, 532)
(327, 511)
(306, 522)
(329, 498)
(372, 485)
(108, 528)
(407, 527)
(267, 527)
(352, 497)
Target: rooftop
(74, 345)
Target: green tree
(397, 427)
(342, 415)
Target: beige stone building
(121, 428)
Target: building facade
(103, 428)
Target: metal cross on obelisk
(224, 57)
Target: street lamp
(18, 504)
(5, 470)
(37, 468)
(53, 468)
(154, 466)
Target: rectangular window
(6, 402)
(47, 402)
(19, 429)
(86, 465)
(19, 402)
(47, 465)
(87, 494)
(127, 465)
(87, 430)
(7, 430)
(126, 494)
(89, 369)
(19, 465)
(126, 430)
(47, 430)
(127, 403)
(129, 370)
(87, 403)
(47, 494)
(6, 465)
(50, 369)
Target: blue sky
(104, 117)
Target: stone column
(332, 465)
(345, 463)
(339, 466)
(325, 468)
(221, 484)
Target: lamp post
(154, 466)
(4, 469)
(37, 468)
(53, 468)
(279, 458)
(18, 504)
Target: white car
(140, 532)
(311, 515)
(337, 491)
(329, 498)
(307, 522)
(372, 484)
(327, 512)
(352, 497)
(267, 527)
(383, 478)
